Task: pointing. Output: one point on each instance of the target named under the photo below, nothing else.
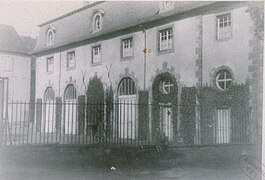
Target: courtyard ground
(88, 165)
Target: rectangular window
(127, 47)
(96, 55)
(224, 28)
(49, 64)
(165, 39)
(223, 126)
(70, 59)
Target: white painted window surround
(224, 26)
(165, 39)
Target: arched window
(223, 79)
(127, 87)
(70, 92)
(97, 19)
(97, 22)
(49, 94)
(168, 5)
(50, 36)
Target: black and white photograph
(117, 90)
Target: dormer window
(97, 20)
(98, 23)
(50, 36)
(168, 5)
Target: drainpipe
(60, 71)
(201, 50)
(145, 52)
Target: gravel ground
(67, 166)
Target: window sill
(126, 58)
(70, 68)
(224, 39)
(96, 64)
(165, 51)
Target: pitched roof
(10, 41)
(29, 42)
(77, 25)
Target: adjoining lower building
(16, 62)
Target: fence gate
(4, 125)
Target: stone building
(197, 65)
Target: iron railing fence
(123, 123)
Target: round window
(166, 87)
(223, 79)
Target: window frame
(217, 19)
(67, 60)
(124, 58)
(75, 92)
(46, 94)
(168, 5)
(130, 86)
(92, 55)
(47, 64)
(169, 50)
(218, 73)
(49, 41)
(94, 21)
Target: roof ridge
(72, 12)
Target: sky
(25, 16)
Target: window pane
(96, 54)
(49, 94)
(221, 84)
(165, 40)
(127, 87)
(224, 27)
(127, 47)
(70, 92)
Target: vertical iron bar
(135, 126)
(124, 122)
(76, 120)
(12, 116)
(45, 118)
(32, 121)
(72, 122)
(28, 123)
(52, 120)
(84, 121)
(20, 114)
(68, 121)
(119, 122)
(49, 119)
(128, 122)
(16, 122)
(24, 119)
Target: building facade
(172, 55)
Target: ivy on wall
(188, 114)
(236, 98)
(256, 10)
(159, 97)
(95, 103)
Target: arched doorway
(164, 91)
(128, 127)
(70, 110)
(49, 111)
